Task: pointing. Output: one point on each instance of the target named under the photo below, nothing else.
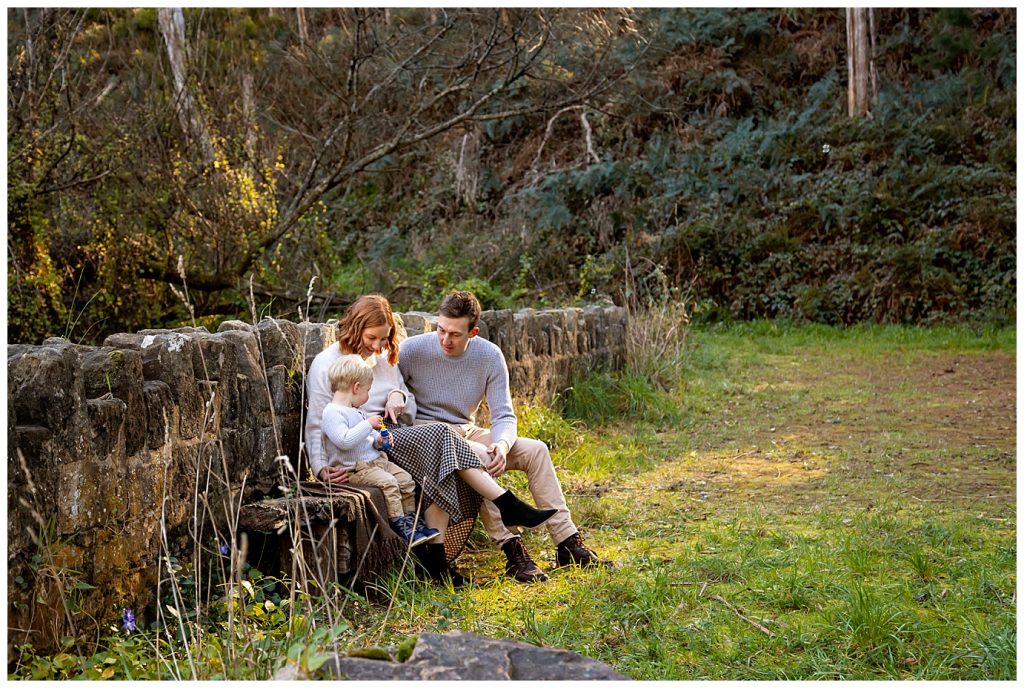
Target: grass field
(781, 503)
(819, 504)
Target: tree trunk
(858, 61)
(300, 14)
(871, 57)
(467, 172)
(172, 26)
(249, 115)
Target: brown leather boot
(519, 565)
(572, 550)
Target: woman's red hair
(370, 310)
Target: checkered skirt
(432, 453)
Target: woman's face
(373, 340)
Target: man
(450, 373)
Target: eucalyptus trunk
(858, 59)
(172, 27)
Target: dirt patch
(927, 426)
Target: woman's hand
(335, 475)
(395, 406)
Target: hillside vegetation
(538, 157)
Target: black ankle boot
(434, 564)
(516, 512)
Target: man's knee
(529, 454)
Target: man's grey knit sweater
(449, 389)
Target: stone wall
(108, 447)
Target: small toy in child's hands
(385, 437)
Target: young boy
(353, 441)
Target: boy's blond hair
(348, 370)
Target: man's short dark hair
(461, 304)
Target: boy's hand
(374, 421)
(336, 475)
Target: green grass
(804, 479)
(818, 504)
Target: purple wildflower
(128, 621)
(224, 549)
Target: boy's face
(360, 394)
(454, 334)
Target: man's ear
(474, 332)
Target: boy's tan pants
(397, 485)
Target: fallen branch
(589, 138)
(547, 133)
(719, 598)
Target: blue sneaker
(423, 531)
(403, 525)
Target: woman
(447, 470)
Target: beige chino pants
(532, 457)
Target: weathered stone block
(263, 466)
(239, 451)
(144, 496)
(118, 372)
(33, 441)
(285, 389)
(290, 427)
(107, 421)
(484, 329)
(167, 357)
(160, 413)
(281, 342)
(316, 337)
(207, 357)
(243, 382)
(556, 331)
(418, 322)
(46, 385)
(179, 486)
(521, 334)
(113, 553)
(31, 484)
(501, 331)
(12, 432)
(540, 328)
(228, 325)
(82, 490)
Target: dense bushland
(623, 155)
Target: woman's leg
(437, 519)
(482, 482)
(514, 511)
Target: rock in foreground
(466, 656)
